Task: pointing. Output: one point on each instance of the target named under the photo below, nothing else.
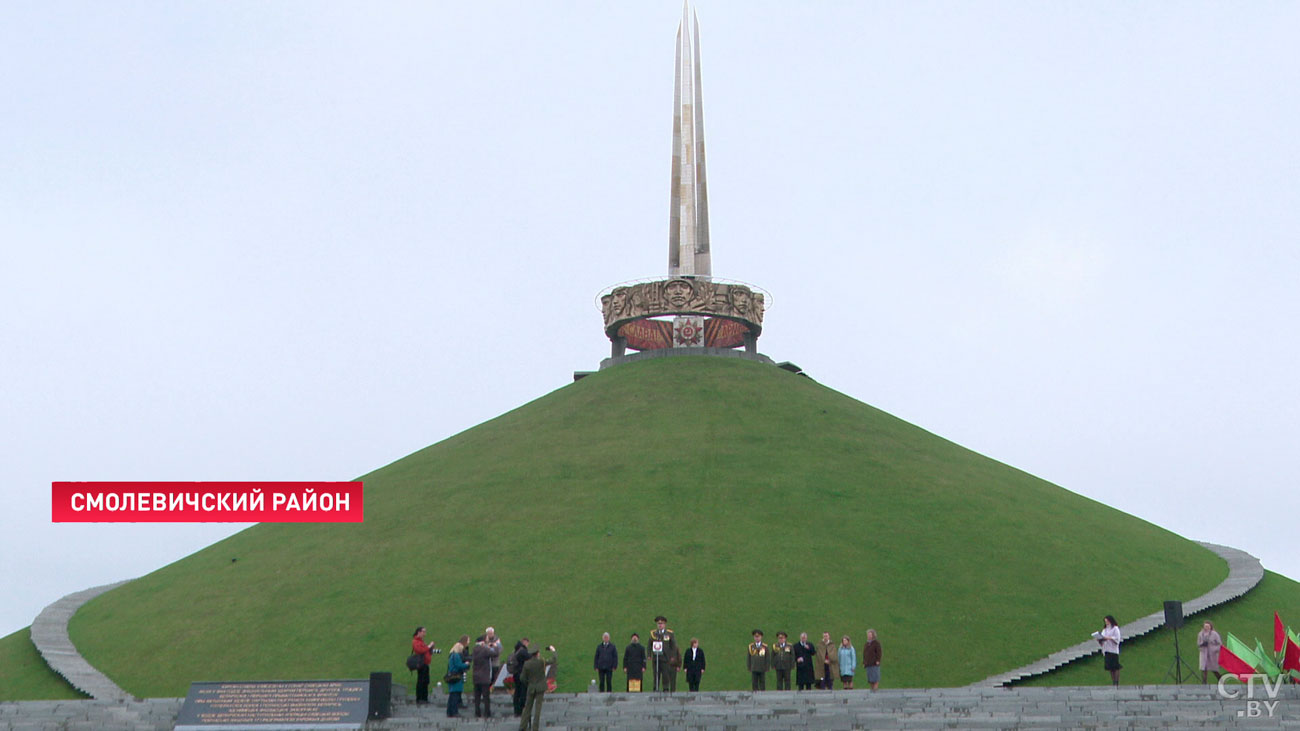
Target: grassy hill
(725, 494)
(24, 674)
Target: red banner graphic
(648, 334)
(206, 502)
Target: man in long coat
(634, 662)
(828, 661)
(483, 656)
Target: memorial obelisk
(691, 312)
(688, 215)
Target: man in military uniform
(669, 659)
(760, 659)
(782, 661)
(534, 675)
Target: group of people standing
(663, 658)
(811, 664)
(481, 660)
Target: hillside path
(50, 635)
(1244, 572)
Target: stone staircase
(1141, 707)
(1244, 572)
(1132, 707)
(50, 636)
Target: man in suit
(535, 677)
(805, 655)
(760, 659)
(693, 661)
(606, 661)
(782, 661)
(670, 659)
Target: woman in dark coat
(634, 661)
(693, 661)
(804, 657)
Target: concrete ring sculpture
(730, 312)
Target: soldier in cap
(534, 674)
(667, 658)
(760, 659)
(782, 660)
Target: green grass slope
(24, 674)
(723, 493)
(1148, 659)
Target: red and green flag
(1267, 665)
(1236, 658)
(1279, 634)
(1291, 657)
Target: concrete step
(935, 708)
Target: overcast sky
(298, 241)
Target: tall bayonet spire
(689, 312)
(688, 218)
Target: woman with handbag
(424, 651)
(455, 677)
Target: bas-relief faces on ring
(680, 296)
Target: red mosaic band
(649, 334)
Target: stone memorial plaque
(275, 705)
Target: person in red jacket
(425, 650)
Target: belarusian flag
(1279, 633)
(1236, 658)
(1291, 658)
(1267, 664)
